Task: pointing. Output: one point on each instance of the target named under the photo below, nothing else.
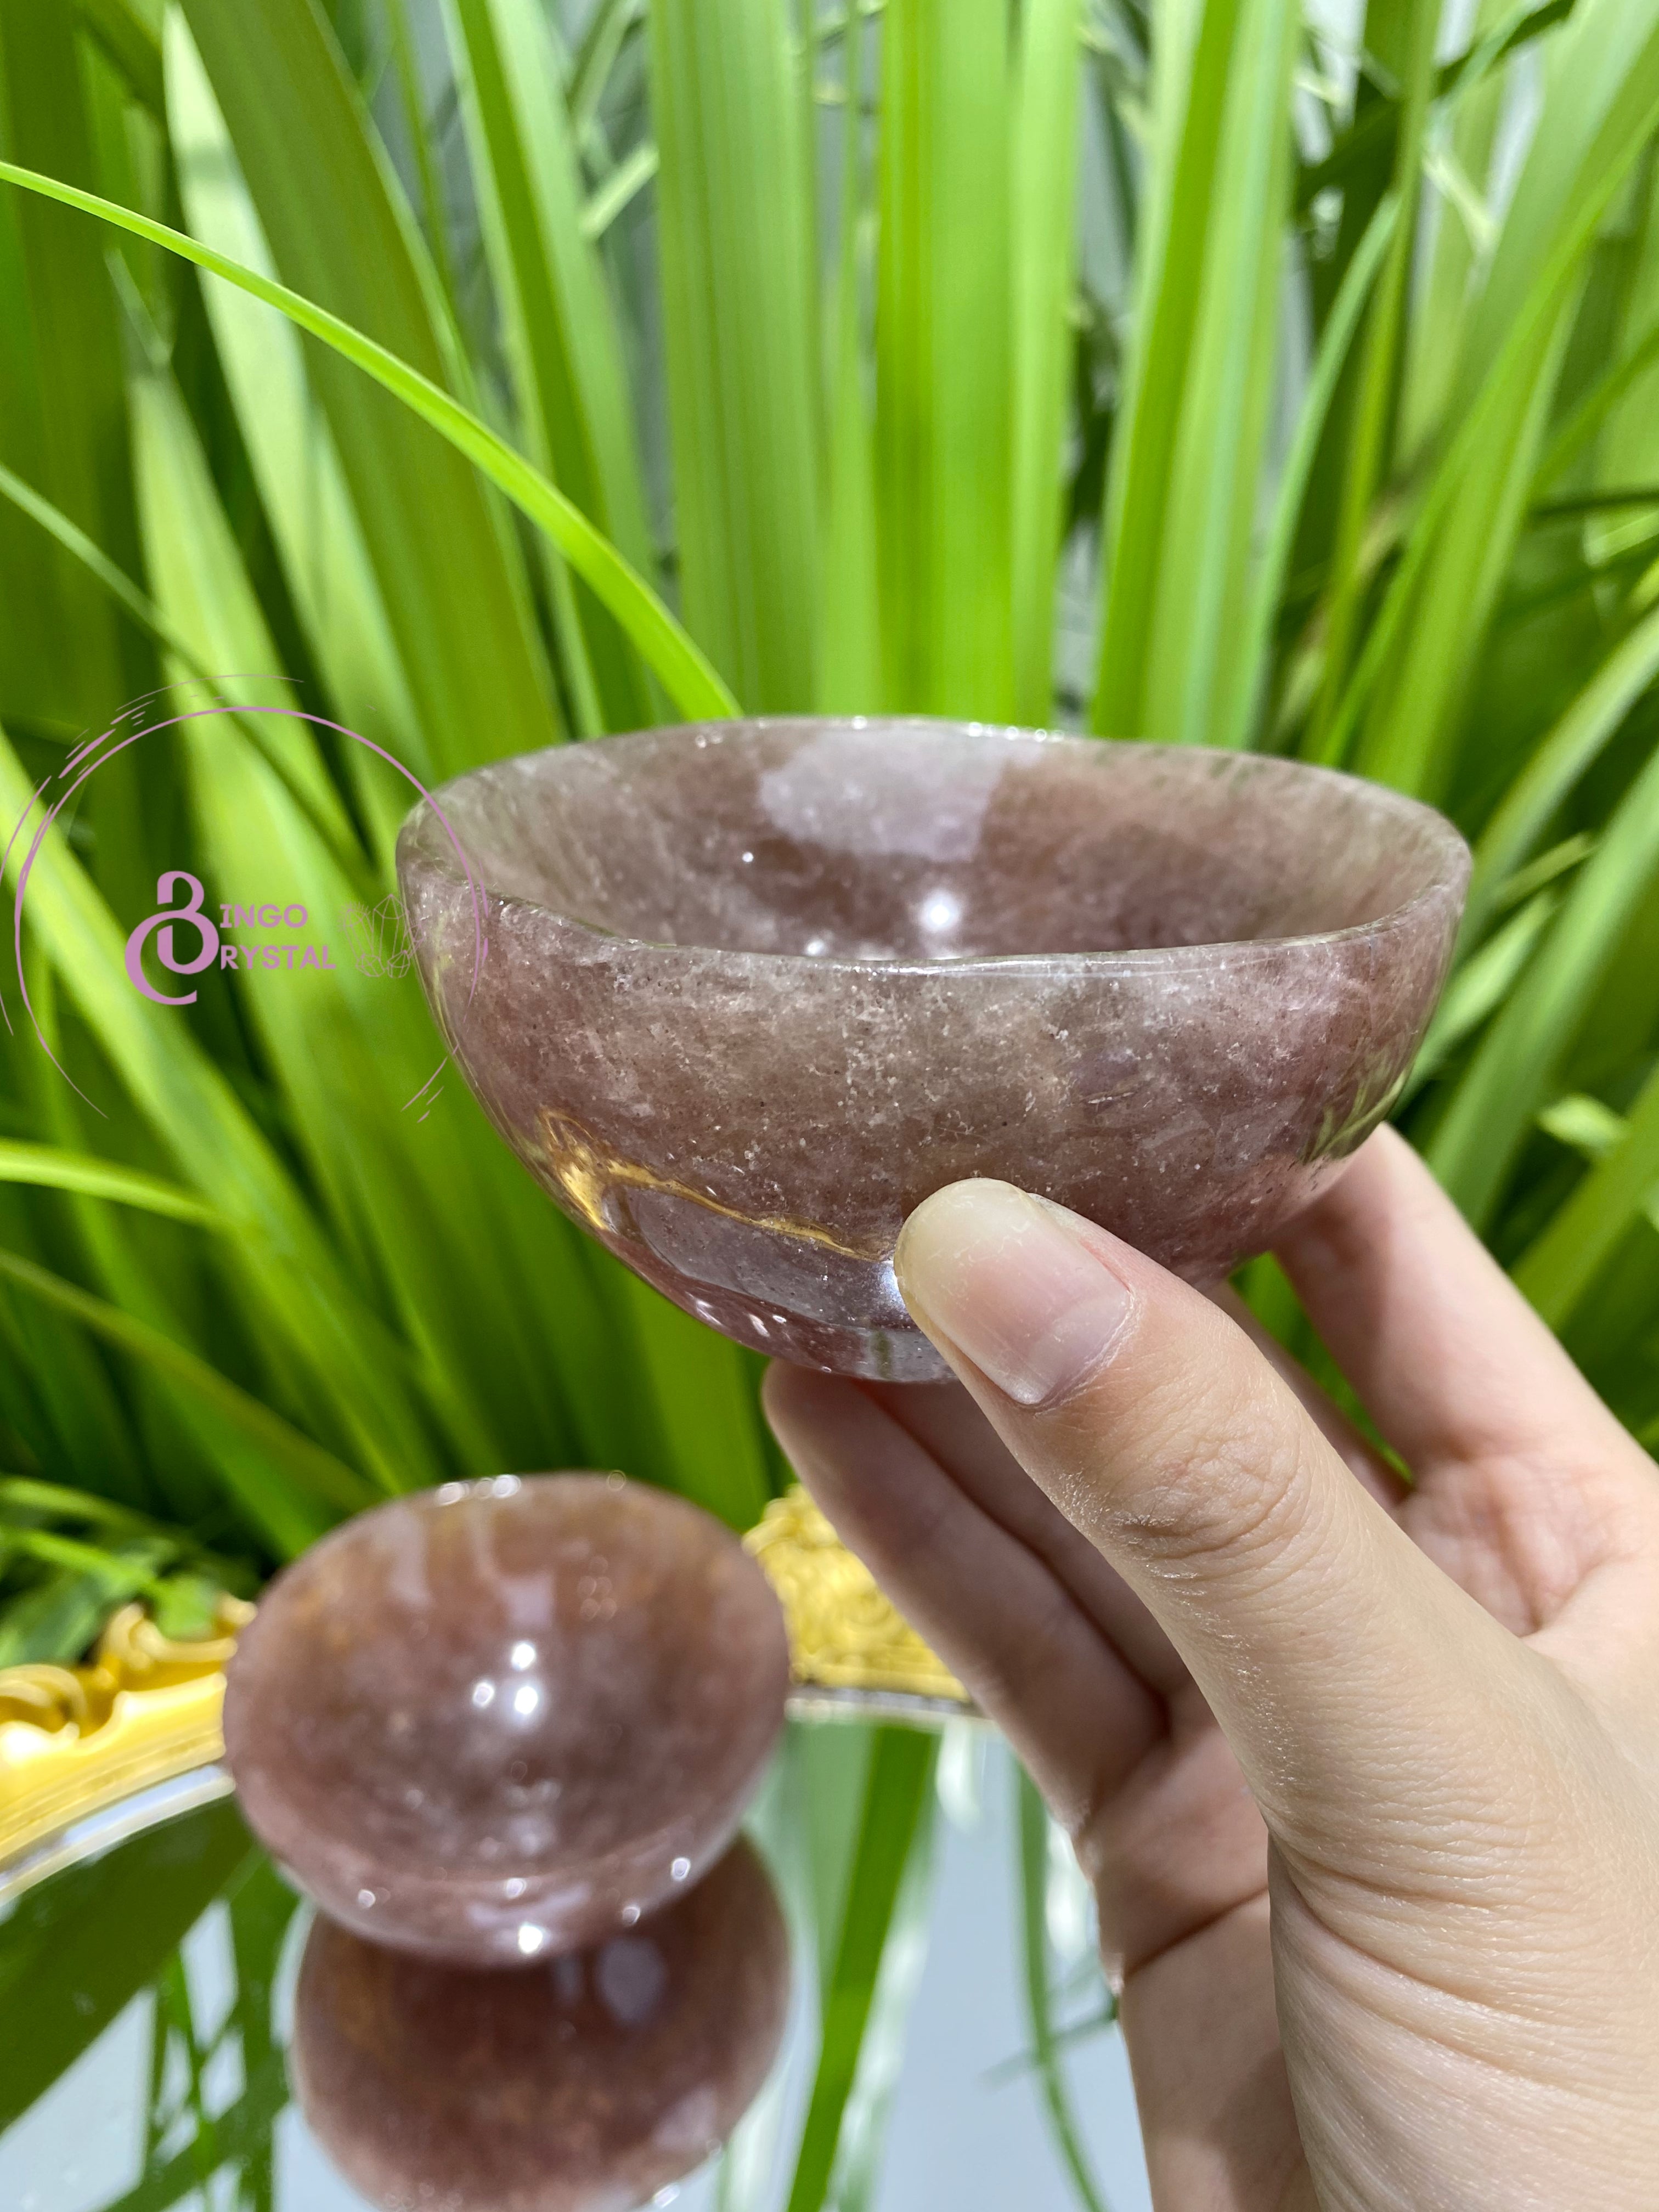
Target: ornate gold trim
(76, 1739)
(843, 1634)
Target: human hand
(1366, 1780)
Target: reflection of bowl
(581, 2085)
(749, 992)
(508, 1718)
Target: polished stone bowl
(741, 995)
(581, 2085)
(505, 1719)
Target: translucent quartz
(582, 2085)
(740, 996)
(508, 1718)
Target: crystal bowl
(505, 1719)
(580, 2085)
(741, 994)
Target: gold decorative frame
(845, 1637)
(76, 1739)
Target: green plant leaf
(685, 675)
(50, 1168)
(1557, 1268)
(1474, 1145)
(894, 1823)
(1033, 1825)
(78, 1948)
(1042, 225)
(306, 1487)
(1188, 452)
(1268, 589)
(943, 352)
(738, 280)
(1560, 759)
(340, 233)
(561, 336)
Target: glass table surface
(155, 1985)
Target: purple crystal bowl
(740, 996)
(501, 1720)
(581, 2085)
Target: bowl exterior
(509, 1718)
(748, 1133)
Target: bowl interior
(908, 839)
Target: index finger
(1450, 1361)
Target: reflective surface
(749, 992)
(572, 1689)
(580, 2085)
(183, 1939)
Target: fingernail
(1004, 1278)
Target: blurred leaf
(51, 1169)
(943, 355)
(1559, 1267)
(1042, 225)
(566, 354)
(338, 231)
(1188, 451)
(126, 30)
(1473, 1148)
(1033, 1822)
(685, 674)
(894, 1823)
(78, 1948)
(302, 1477)
(737, 283)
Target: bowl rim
(1449, 883)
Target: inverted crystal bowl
(741, 995)
(584, 2084)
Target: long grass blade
(1601, 111)
(893, 1824)
(1473, 1148)
(303, 1478)
(1033, 1818)
(944, 349)
(290, 447)
(739, 275)
(1329, 363)
(1047, 75)
(1559, 1267)
(48, 1168)
(1379, 372)
(567, 357)
(340, 231)
(1559, 763)
(1189, 448)
(685, 674)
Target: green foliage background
(1202, 370)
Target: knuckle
(1205, 1467)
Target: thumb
(1344, 1666)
